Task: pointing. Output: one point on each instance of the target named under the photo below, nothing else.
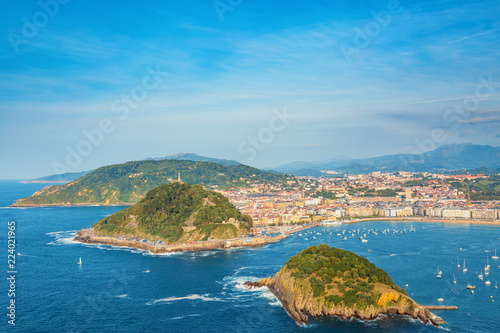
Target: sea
(111, 291)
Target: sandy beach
(424, 219)
(89, 236)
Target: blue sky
(352, 84)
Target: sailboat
(439, 273)
(458, 263)
(147, 270)
(495, 256)
(487, 283)
(496, 286)
(80, 261)
(480, 276)
(465, 269)
(487, 264)
(454, 280)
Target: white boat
(496, 286)
(465, 269)
(458, 263)
(454, 280)
(440, 299)
(487, 264)
(487, 283)
(364, 240)
(480, 276)
(147, 270)
(495, 256)
(439, 273)
(80, 261)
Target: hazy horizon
(87, 84)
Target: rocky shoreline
(300, 304)
(89, 236)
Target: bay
(201, 292)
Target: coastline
(88, 236)
(424, 219)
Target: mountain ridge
(127, 183)
(449, 157)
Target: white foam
(61, 232)
(263, 292)
(186, 316)
(63, 237)
(444, 328)
(204, 298)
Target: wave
(61, 232)
(63, 237)
(186, 316)
(444, 328)
(204, 298)
(9, 207)
(241, 291)
(114, 248)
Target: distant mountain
(195, 157)
(127, 183)
(301, 165)
(62, 178)
(445, 158)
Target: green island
(177, 212)
(326, 281)
(127, 183)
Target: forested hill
(127, 183)
(325, 281)
(165, 210)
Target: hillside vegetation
(165, 210)
(340, 276)
(127, 183)
(325, 281)
(480, 189)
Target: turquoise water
(199, 291)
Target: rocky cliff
(298, 298)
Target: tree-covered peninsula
(127, 183)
